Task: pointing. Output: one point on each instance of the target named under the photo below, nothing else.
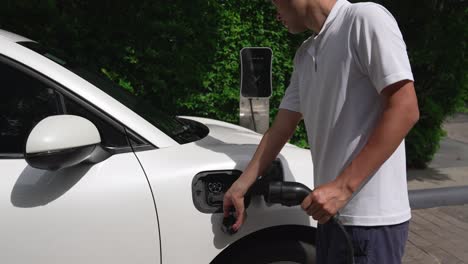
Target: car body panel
(229, 133)
(198, 234)
(101, 213)
(12, 37)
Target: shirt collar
(333, 13)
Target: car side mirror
(62, 141)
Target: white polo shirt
(336, 84)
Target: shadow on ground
(429, 174)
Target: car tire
(282, 251)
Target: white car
(90, 174)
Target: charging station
(256, 88)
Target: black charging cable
(252, 115)
(293, 193)
(288, 194)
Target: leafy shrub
(184, 55)
(435, 32)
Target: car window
(178, 129)
(24, 102)
(112, 135)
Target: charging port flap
(209, 187)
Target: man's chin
(296, 31)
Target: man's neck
(317, 12)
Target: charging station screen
(256, 72)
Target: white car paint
(54, 133)
(200, 236)
(230, 133)
(84, 214)
(10, 36)
(132, 207)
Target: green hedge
(184, 55)
(435, 33)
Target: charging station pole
(256, 88)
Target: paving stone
(417, 240)
(452, 220)
(441, 255)
(441, 224)
(456, 249)
(436, 237)
(430, 236)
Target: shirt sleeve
(379, 46)
(290, 99)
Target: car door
(89, 213)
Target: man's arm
(400, 114)
(271, 144)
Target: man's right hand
(234, 197)
(272, 142)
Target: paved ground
(440, 235)
(437, 236)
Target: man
(352, 84)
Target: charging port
(209, 187)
